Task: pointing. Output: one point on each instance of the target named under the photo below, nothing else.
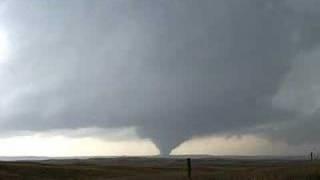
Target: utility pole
(189, 167)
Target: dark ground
(160, 168)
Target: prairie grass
(164, 169)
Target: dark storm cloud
(173, 69)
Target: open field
(160, 168)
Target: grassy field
(160, 168)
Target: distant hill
(41, 158)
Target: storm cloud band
(172, 69)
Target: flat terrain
(160, 168)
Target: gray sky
(169, 70)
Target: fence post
(311, 156)
(189, 167)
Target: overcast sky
(182, 75)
